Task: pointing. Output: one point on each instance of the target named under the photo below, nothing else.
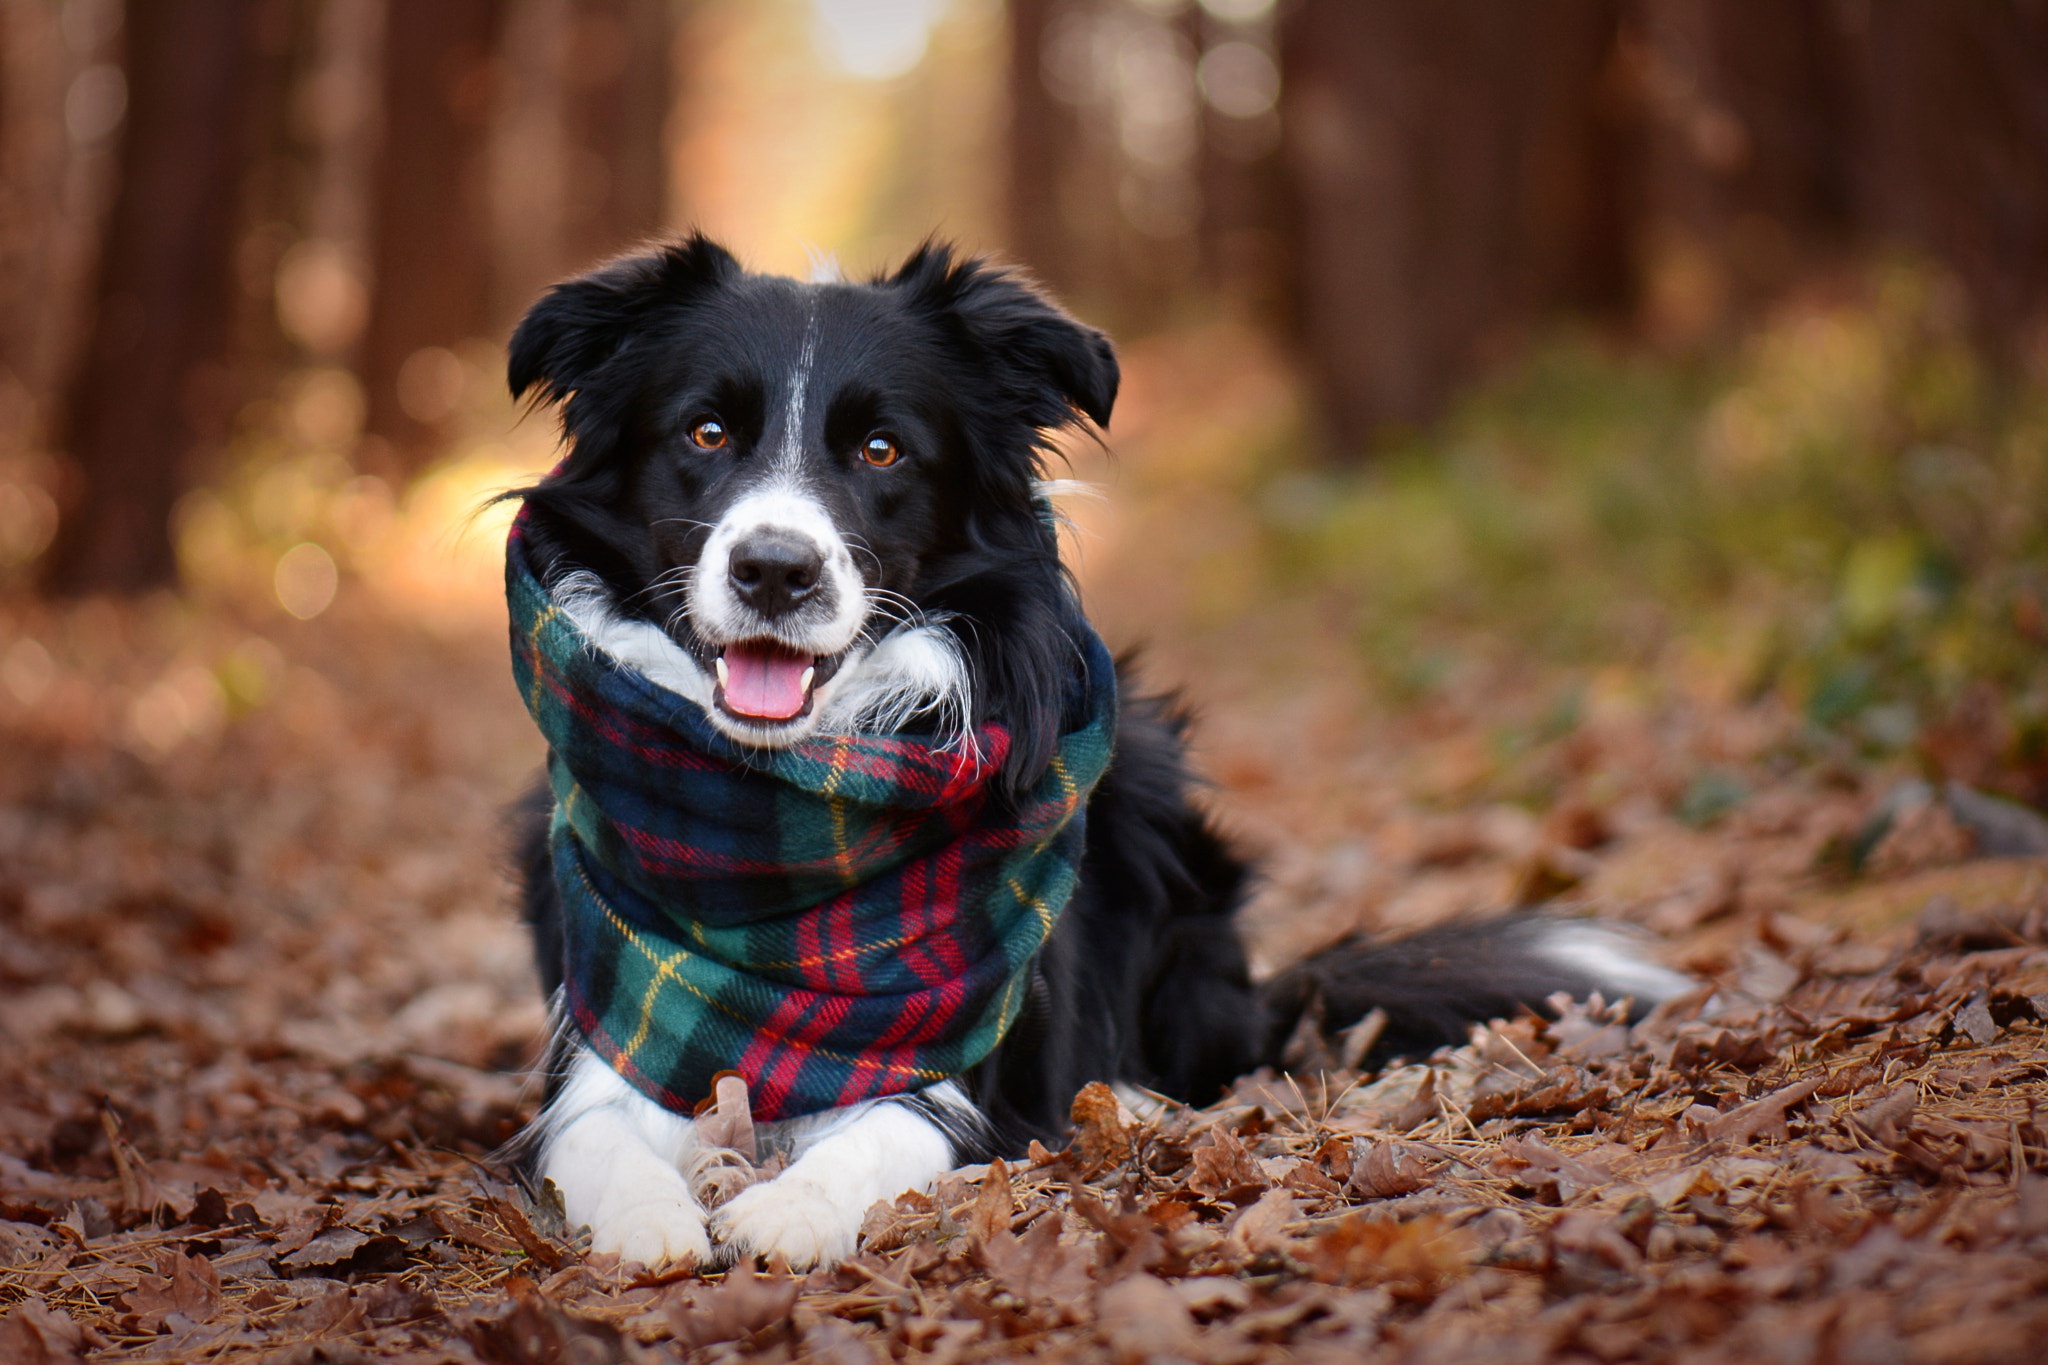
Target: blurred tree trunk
(430, 228)
(1452, 176)
(619, 90)
(1042, 140)
(148, 392)
(1746, 160)
(1954, 103)
(1458, 170)
(1084, 214)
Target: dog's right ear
(579, 326)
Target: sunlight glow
(876, 39)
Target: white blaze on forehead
(789, 457)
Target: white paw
(796, 1219)
(658, 1233)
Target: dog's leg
(616, 1156)
(845, 1161)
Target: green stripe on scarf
(852, 917)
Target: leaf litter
(264, 1008)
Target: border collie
(811, 509)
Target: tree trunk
(148, 391)
(1747, 145)
(1084, 215)
(619, 90)
(430, 231)
(1041, 140)
(1445, 159)
(1955, 103)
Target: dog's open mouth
(765, 681)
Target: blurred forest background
(1568, 318)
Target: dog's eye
(708, 434)
(879, 451)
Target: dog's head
(784, 476)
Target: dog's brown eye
(879, 451)
(708, 435)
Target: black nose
(774, 571)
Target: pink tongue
(763, 681)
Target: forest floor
(264, 1008)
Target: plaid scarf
(851, 917)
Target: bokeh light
(876, 39)
(306, 580)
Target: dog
(803, 510)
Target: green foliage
(1850, 510)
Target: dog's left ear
(1061, 366)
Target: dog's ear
(1060, 365)
(579, 325)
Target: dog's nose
(774, 571)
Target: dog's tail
(1434, 985)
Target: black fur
(1145, 978)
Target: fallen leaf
(187, 1285)
(1036, 1267)
(1220, 1163)
(1100, 1136)
(1413, 1260)
(1260, 1226)
(1762, 1117)
(1141, 1319)
(1382, 1170)
(995, 1204)
(734, 1308)
(33, 1333)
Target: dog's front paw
(659, 1233)
(797, 1219)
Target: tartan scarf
(851, 917)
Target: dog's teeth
(809, 674)
(719, 664)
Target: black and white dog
(815, 508)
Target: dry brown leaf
(896, 1223)
(342, 1251)
(1382, 1170)
(1261, 1226)
(1100, 1136)
(1412, 1260)
(734, 1308)
(1539, 1165)
(729, 1122)
(995, 1204)
(514, 1220)
(1220, 1163)
(187, 1285)
(1763, 1117)
(33, 1333)
(1037, 1267)
(1141, 1319)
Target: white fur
(616, 1158)
(916, 670)
(640, 645)
(792, 455)
(719, 614)
(811, 1213)
(1611, 956)
(624, 1167)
